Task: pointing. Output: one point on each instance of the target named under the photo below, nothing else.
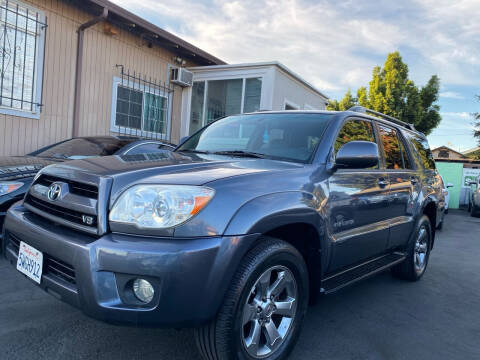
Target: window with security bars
(22, 34)
(140, 107)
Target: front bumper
(190, 276)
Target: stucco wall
(286, 88)
(452, 173)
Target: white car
(447, 199)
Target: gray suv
(237, 230)
(474, 200)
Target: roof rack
(364, 110)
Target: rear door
(404, 184)
(357, 204)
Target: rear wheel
(264, 308)
(418, 253)
(474, 211)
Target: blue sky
(334, 44)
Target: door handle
(382, 182)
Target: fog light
(143, 290)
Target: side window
(147, 148)
(354, 130)
(393, 148)
(423, 150)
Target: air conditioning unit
(181, 76)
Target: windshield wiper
(194, 151)
(240, 153)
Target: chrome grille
(81, 189)
(59, 211)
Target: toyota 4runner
(237, 230)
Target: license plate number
(30, 262)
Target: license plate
(30, 262)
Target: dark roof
(141, 27)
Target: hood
(17, 167)
(168, 168)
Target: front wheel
(264, 308)
(418, 252)
(474, 211)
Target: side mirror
(357, 155)
(449, 185)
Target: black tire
(474, 211)
(408, 270)
(222, 338)
(440, 226)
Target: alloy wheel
(421, 250)
(269, 312)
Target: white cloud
(334, 45)
(451, 95)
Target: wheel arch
(291, 217)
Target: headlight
(159, 206)
(8, 187)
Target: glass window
(224, 97)
(391, 148)
(22, 33)
(155, 113)
(354, 130)
(141, 110)
(79, 148)
(422, 150)
(196, 112)
(253, 91)
(129, 108)
(278, 136)
(147, 148)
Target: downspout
(78, 69)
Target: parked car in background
(236, 230)
(474, 200)
(446, 194)
(17, 172)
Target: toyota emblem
(54, 191)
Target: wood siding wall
(19, 135)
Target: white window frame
(244, 83)
(136, 86)
(38, 79)
(290, 103)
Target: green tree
(391, 92)
(346, 103)
(476, 130)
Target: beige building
(446, 153)
(89, 67)
(49, 94)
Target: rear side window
(423, 150)
(393, 148)
(354, 130)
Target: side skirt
(350, 276)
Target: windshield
(282, 136)
(81, 148)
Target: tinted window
(423, 150)
(391, 148)
(147, 148)
(83, 147)
(354, 130)
(406, 160)
(279, 136)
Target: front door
(357, 205)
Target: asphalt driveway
(380, 318)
